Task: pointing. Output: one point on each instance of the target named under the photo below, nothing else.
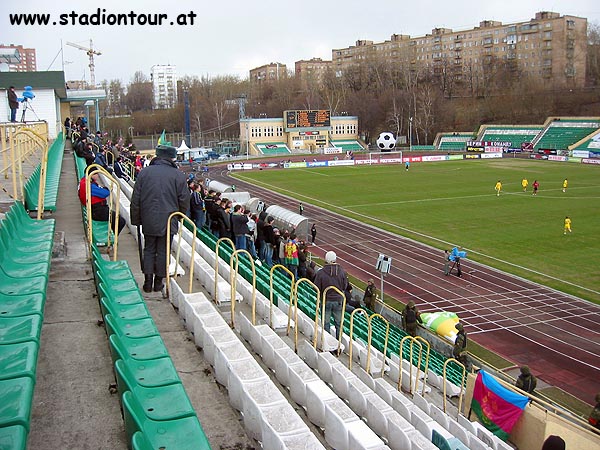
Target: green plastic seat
(139, 442)
(120, 298)
(177, 434)
(27, 221)
(123, 347)
(130, 312)
(18, 360)
(112, 270)
(159, 403)
(140, 328)
(152, 372)
(14, 438)
(22, 286)
(21, 305)
(118, 286)
(20, 329)
(15, 407)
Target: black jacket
(160, 190)
(331, 275)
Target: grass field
(454, 203)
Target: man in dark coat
(370, 294)
(160, 190)
(460, 345)
(13, 103)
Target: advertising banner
(331, 150)
(557, 158)
(342, 162)
(317, 164)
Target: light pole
(410, 121)
(247, 142)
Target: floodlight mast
(90, 52)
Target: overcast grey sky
(229, 37)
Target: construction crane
(90, 52)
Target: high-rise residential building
(28, 61)
(164, 85)
(267, 73)
(312, 70)
(548, 48)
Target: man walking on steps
(160, 190)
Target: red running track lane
(555, 334)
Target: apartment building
(28, 61)
(268, 72)
(164, 86)
(311, 70)
(548, 48)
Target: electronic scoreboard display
(318, 118)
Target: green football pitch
(454, 203)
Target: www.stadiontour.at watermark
(101, 17)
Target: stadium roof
(37, 80)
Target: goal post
(385, 157)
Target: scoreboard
(318, 118)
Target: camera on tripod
(28, 94)
(455, 256)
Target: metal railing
(182, 218)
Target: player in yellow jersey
(567, 225)
(565, 184)
(524, 184)
(498, 187)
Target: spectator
(120, 170)
(100, 196)
(13, 103)
(410, 317)
(269, 241)
(239, 227)
(460, 344)
(302, 259)
(291, 256)
(332, 274)
(370, 293)
(526, 381)
(251, 235)
(159, 191)
(197, 208)
(554, 443)
(101, 159)
(313, 233)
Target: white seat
(459, 431)
(360, 436)
(376, 414)
(257, 333)
(398, 429)
(256, 396)
(271, 344)
(305, 441)
(357, 396)
(341, 376)
(278, 421)
(421, 402)
(324, 366)
(317, 394)
(299, 376)
(189, 303)
(420, 442)
(385, 390)
(439, 416)
(240, 373)
(216, 336)
(339, 418)
(308, 353)
(224, 355)
(202, 321)
(283, 360)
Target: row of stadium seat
(53, 170)
(306, 302)
(25, 254)
(157, 410)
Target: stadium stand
(516, 135)
(592, 142)
(273, 148)
(452, 141)
(25, 254)
(560, 133)
(347, 145)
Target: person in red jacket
(99, 200)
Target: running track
(555, 334)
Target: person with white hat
(332, 274)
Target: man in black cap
(160, 190)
